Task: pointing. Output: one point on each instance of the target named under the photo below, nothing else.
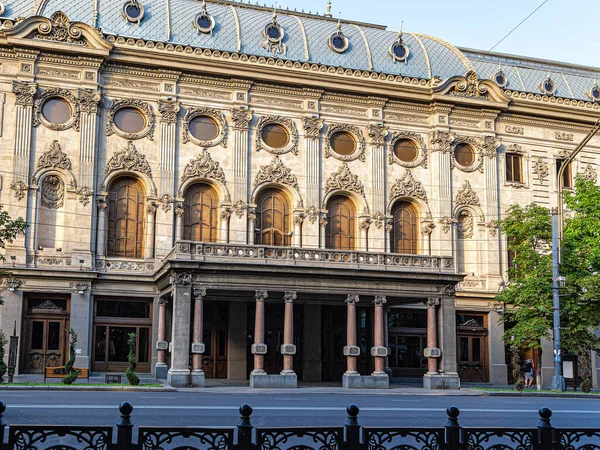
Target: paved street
(208, 409)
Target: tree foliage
(130, 372)
(529, 290)
(70, 371)
(9, 230)
(3, 344)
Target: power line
(520, 23)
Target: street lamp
(558, 281)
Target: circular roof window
(273, 32)
(337, 41)
(275, 136)
(343, 143)
(500, 79)
(464, 155)
(204, 22)
(204, 128)
(548, 86)
(129, 120)
(594, 93)
(398, 50)
(56, 110)
(405, 150)
(133, 11)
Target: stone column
(364, 226)
(387, 368)
(179, 373)
(259, 349)
(101, 242)
(241, 118)
(150, 235)
(198, 379)
(377, 135)
(312, 133)
(298, 220)
(351, 350)
(224, 230)
(32, 218)
(160, 371)
(178, 221)
(432, 351)
(288, 349)
(251, 225)
(322, 232)
(379, 350)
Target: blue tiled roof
(239, 28)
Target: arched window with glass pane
(272, 218)
(126, 207)
(403, 236)
(341, 223)
(200, 213)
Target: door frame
(470, 331)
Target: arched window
(403, 236)
(200, 213)
(126, 202)
(272, 218)
(341, 223)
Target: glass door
(471, 362)
(111, 348)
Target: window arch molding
(220, 188)
(476, 147)
(292, 194)
(284, 122)
(415, 139)
(216, 116)
(67, 177)
(360, 203)
(147, 182)
(62, 94)
(357, 135)
(419, 204)
(141, 107)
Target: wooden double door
(214, 359)
(472, 346)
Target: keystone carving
(467, 196)
(128, 159)
(407, 186)
(276, 172)
(54, 158)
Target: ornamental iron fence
(246, 437)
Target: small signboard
(78, 351)
(568, 369)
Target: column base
(365, 382)
(273, 381)
(179, 378)
(160, 371)
(441, 381)
(198, 379)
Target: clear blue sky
(562, 30)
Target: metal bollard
(545, 429)
(452, 429)
(353, 428)
(245, 428)
(125, 427)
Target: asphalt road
(206, 409)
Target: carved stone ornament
(590, 173)
(276, 172)
(24, 92)
(63, 94)
(427, 229)
(89, 101)
(142, 107)
(541, 169)
(84, 194)
(469, 86)
(467, 196)
(312, 127)
(204, 167)
(449, 290)
(493, 226)
(59, 29)
(568, 137)
(182, 278)
(241, 118)
(52, 195)
(344, 180)
(477, 145)
(489, 147)
(359, 152)
(465, 228)
(377, 134)
(515, 149)
(12, 283)
(239, 208)
(215, 115)
(419, 142)
(407, 186)
(20, 189)
(54, 158)
(166, 200)
(441, 141)
(313, 214)
(168, 111)
(364, 224)
(274, 43)
(288, 124)
(378, 219)
(446, 223)
(128, 159)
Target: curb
(338, 391)
(89, 388)
(541, 394)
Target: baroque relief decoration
(377, 134)
(490, 146)
(52, 194)
(441, 141)
(241, 118)
(273, 35)
(128, 159)
(590, 173)
(467, 196)
(540, 167)
(359, 153)
(417, 140)
(54, 158)
(20, 189)
(142, 107)
(312, 127)
(239, 208)
(276, 172)
(378, 219)
(469, 86)
(89, 101)
(168, 111)
(288, 124)
(24, 92)
(215, 115)
(465, 225)
(204, 167)
(59, 29)
(407, 186)
(344, 180)
(446, 223)
(493, 226)
(63, 94)
(84, 194)
(166, 200)
(313, 214)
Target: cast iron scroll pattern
(31, 437)
(403, 439)
(499, 439)
(162, 438)
(311, 438)
(573, 439)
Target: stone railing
(260, 254)
(124, 265)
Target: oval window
(338, 42)
(204, 128)
(275, 136)
(464, 156)
(273, 32)
(596, 93)
(129, 120)
(56, 110)
(549, 86)
(133, 12)
(204, 22)
(405, 150)
(342, 143)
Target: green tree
(528, 293)
(69, 370)
(9, 230)
(130, 372)
(3, 343)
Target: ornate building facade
(268, 195)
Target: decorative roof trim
(420, 42)
(367, 48)
(567, 83)
(38, 7)
(304, 37)
(238, 30)
(460, 55)
(520, 79)
(168, 19)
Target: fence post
(125, 427)
(352, 428)
(2, 425)
(245, 428)
(452, 429)
(545, 429)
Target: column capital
(432, 302)
(261, 296)
(289, 296)
(380, 300)
(241, 118)
(199, 293)
(312, 127)
(182, 278)
(352, 299)
(163, 301)
(449, 290)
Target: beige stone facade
(237, 303)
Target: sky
(561, 30)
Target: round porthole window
(274, 32)
(595, 93)
(133, 11)
(56, 110)
(275, 136)
(129, 120)
(548, 86)
(464, 155)
(204, 128)
(405, 150)
(500, 79)
(338, 42)
(342, 143)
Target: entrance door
(333, 340)
(214, 359)
(472, 348)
